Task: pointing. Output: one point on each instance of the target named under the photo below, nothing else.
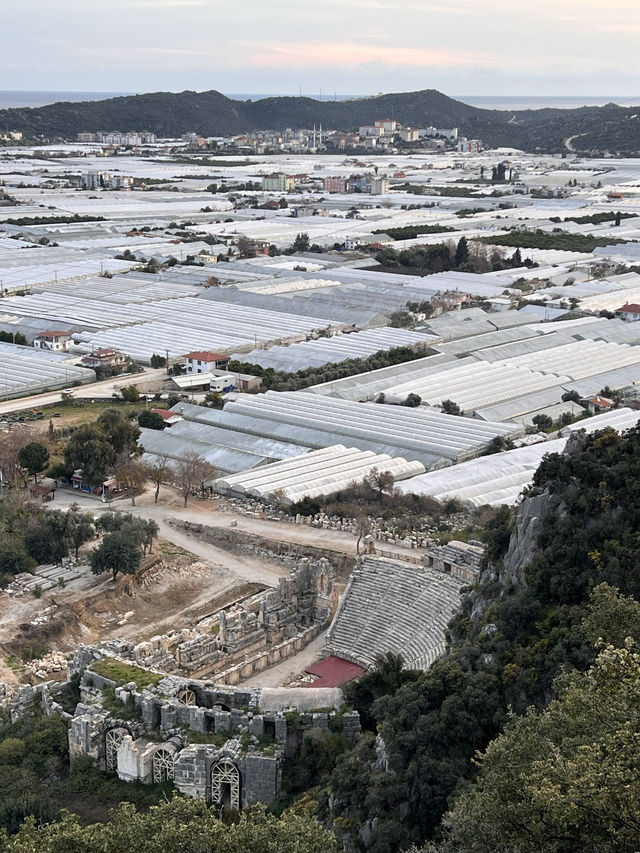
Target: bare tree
(132, 473)
(278, 497)
(159, 472)
(11, 443)
(363, 528)
(192, 470)
(380, 481)
(205, 473)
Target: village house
(205, 362)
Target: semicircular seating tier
(390, 606)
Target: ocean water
(9, 98)
(537, 102)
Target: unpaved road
(207, 512)
(280, 674)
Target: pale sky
(495, 47)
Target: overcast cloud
(509, 47)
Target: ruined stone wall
(253, 545)
(232, 713)
(251, 636)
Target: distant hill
(592, 129)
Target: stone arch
(163, 765)
(112, 740)
(225, 785)
(187, 697)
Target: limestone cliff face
(530, 519)
(529, 522)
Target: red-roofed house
(101, 357)
(52, 340)
(204, 362)
(170, 418)
(629, 312)
(597, 404)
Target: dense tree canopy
(90, 449)
(181, 826)
(510, 642)
(565, 778)
(118, 552)
(34, 457)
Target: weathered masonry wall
(251, 636)
(253, 545)
(157, 736)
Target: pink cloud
(305, 55)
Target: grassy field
(79, 412)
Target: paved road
(97, 390)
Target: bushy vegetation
(595, 218)
(410, 232)
(36, 779)
(55, 220)
(441, 257)
(562, 240)
(510, 643)
(427, 189)
(183, 825)
(565, 778)
(31, 535)
(277, 380)
(13, 338)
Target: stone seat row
(394, 607)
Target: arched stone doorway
(187, 697)
(112, 740)
(225, 785)
(163, 765)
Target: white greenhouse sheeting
(322, 472)
(397, 430)
(316, 353)
(486, 383)
(178, 325)
(472, 385)
(21, 375)
(500, 478)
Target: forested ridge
(607, 128)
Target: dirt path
(282, 672)
(239, 567)
(569, 141)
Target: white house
(58, 341)
(629, 312)
(205, 362)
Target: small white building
(56, 341)
(500, 303)
(629, 312)
(204, 362)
